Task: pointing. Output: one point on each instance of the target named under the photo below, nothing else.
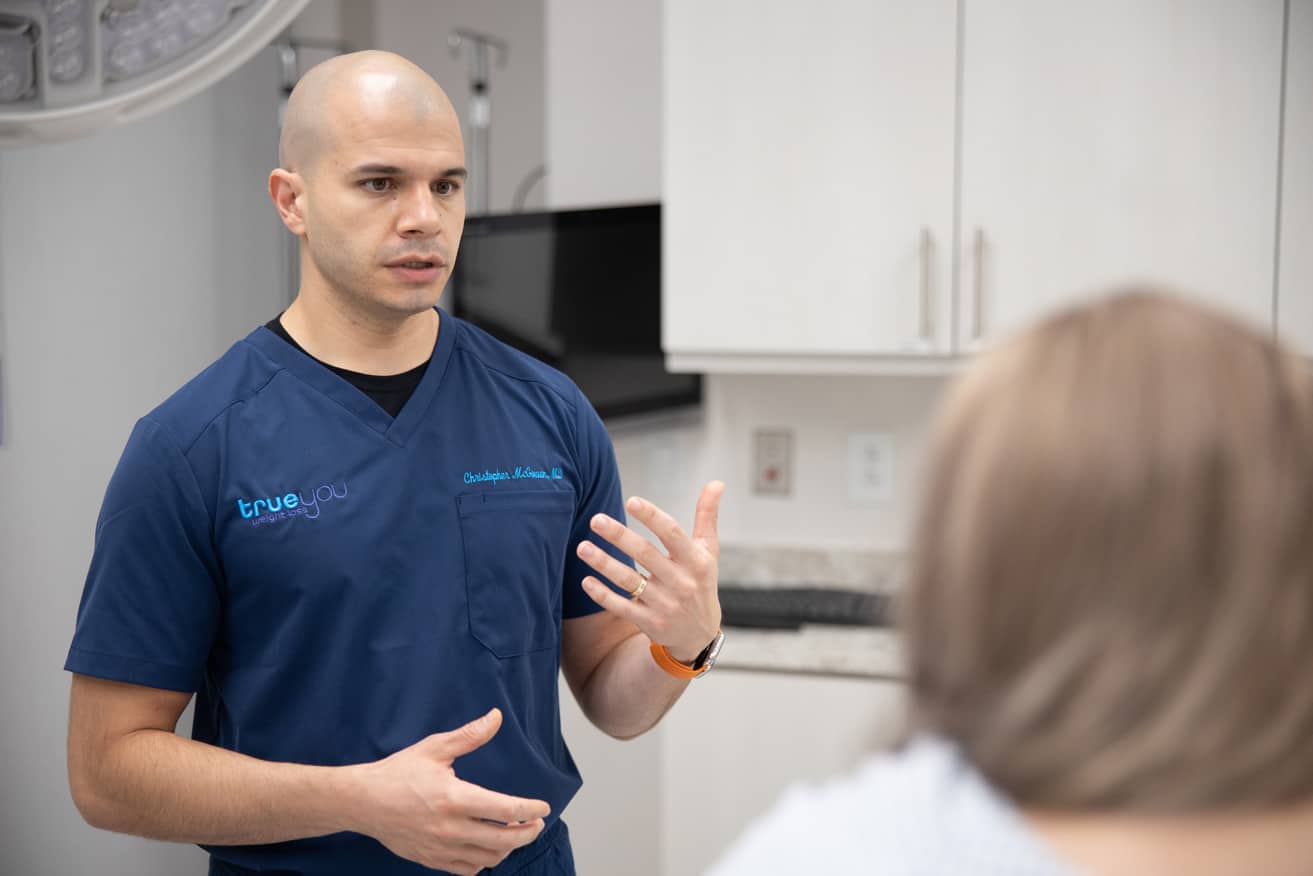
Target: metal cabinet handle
(978, 317)
(927, 265)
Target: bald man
(363, 539)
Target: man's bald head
(338, 92)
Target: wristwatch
(701, 664)
(707, 659)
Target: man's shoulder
(482, 350)
(235, 377)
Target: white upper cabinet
(808, 177)
(1295, 290)
(1119, 140)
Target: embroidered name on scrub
(521, 472)
(275, 508)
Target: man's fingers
(706, 517)
(640, 549)
(663, 526)
(485, 845)
(463, 740)
(605, 564)
(625, 609)
(480, 803)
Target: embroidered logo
(302, 503)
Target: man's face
(388, 187)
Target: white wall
(128, 261)
(670, 465)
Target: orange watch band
(671, 665)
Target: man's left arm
(606, 656)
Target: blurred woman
(1109, 619)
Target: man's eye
(446, 187)
(382, 184)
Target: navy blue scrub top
(336, 585)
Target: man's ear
(286, 188)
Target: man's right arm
(129, 772)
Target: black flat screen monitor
(580, 290)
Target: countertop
(869, 652)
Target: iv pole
(480, 113)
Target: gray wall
(128, 261)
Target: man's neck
(346, 339)
(1277, 843)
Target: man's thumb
(463, 740)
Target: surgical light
(69, 67)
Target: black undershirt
(389, 391)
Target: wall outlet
(772, 462)
(871, 468)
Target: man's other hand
(415, 805)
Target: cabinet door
(808, 176)
(1116, 141)
(1295, 289)
(734, 744)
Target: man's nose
(420, 214)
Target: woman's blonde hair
(1111, 602)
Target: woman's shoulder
(918, 810)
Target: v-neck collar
(361, 406)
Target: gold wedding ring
(642, 585)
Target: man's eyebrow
(393, 170)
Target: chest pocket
(515, 545)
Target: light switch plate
(772, 462)
(871, 468)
